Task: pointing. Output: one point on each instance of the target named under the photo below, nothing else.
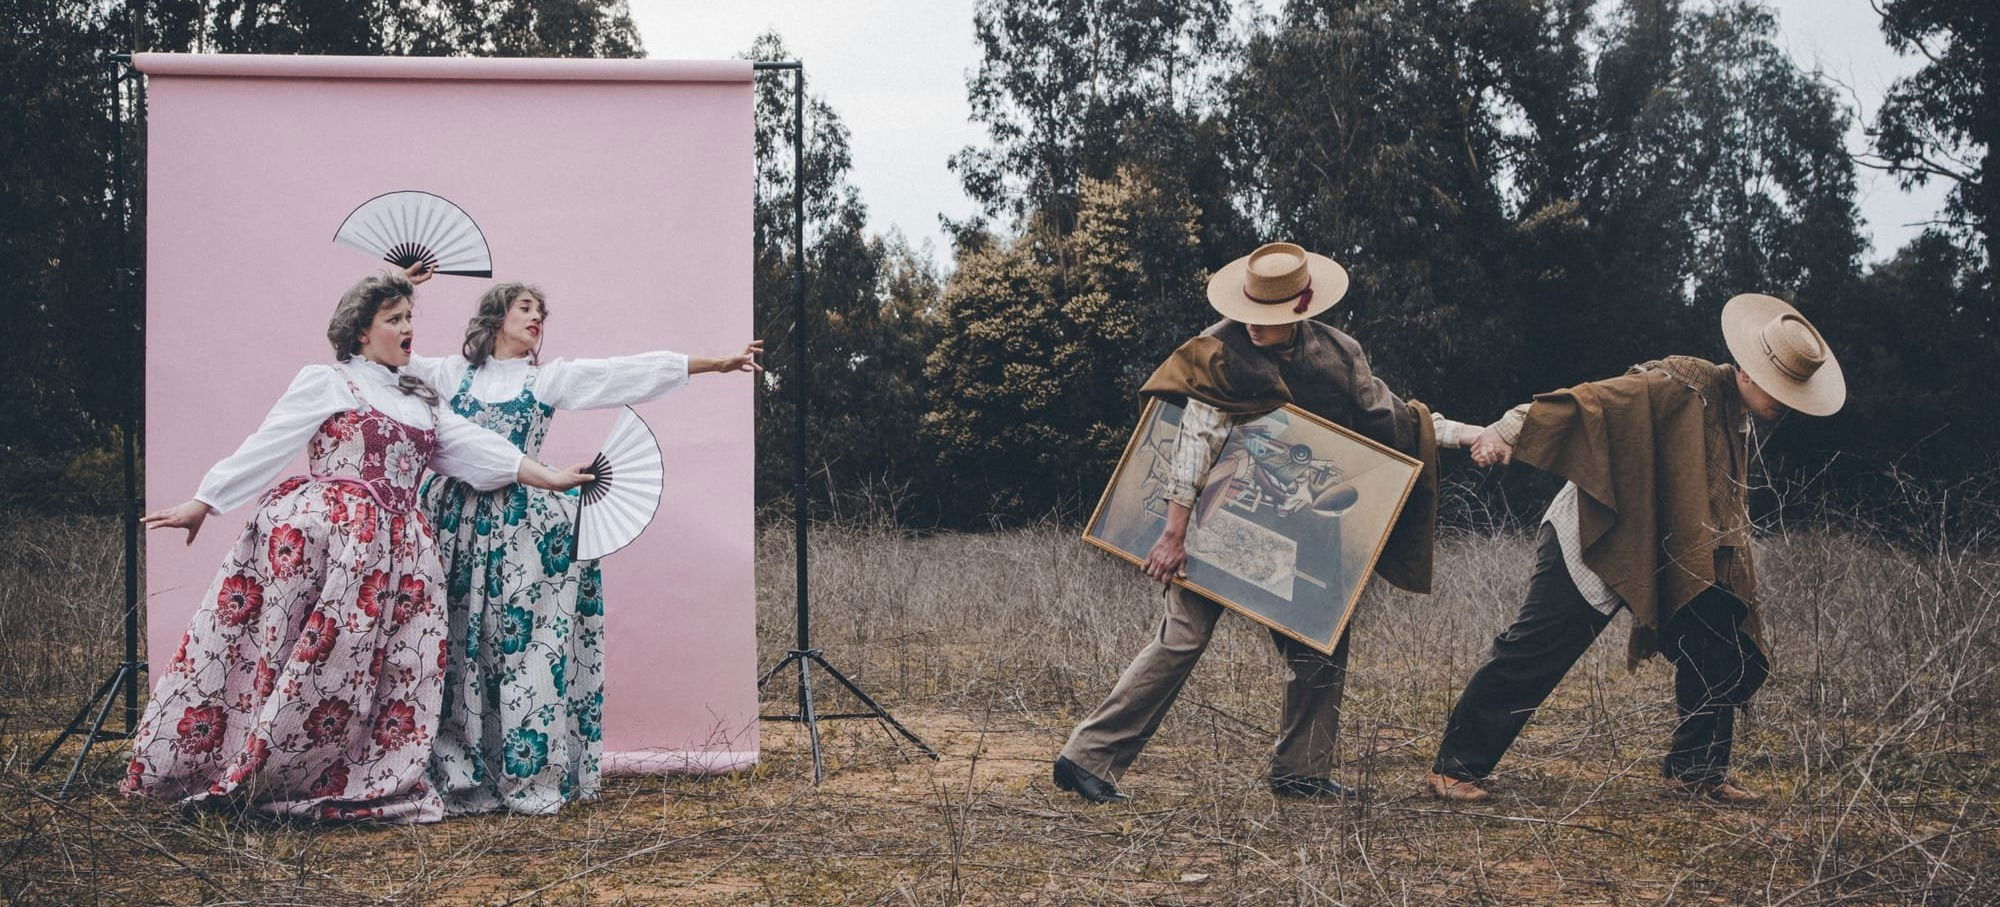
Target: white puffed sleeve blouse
(464, 451)
(563, 383)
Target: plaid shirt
(1203, 429)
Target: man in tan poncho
(1267, 352)
(1654, 518)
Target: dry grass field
(1875, 740)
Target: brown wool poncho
(1662, 471)
(1324, 372)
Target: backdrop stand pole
(803, 653)
(125, 678)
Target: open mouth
(405, 344)
(535, 330)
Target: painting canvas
(1288, 523)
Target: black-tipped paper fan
(408, 227)
(621, 500)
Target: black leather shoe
(1071, 777)
(1313, 788)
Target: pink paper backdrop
(623, 188)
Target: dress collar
(366, 369)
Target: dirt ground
(984, 825)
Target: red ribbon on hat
(1305, 298)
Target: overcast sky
(895, 70)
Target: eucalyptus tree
(1722, 168)
(1369, 131)
(1943, 121)
(870, 309)
(1535, 191)
(1034, 376)
(1070, 89)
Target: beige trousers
(1106, 742)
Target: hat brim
(1225, 292)
(1743, 321)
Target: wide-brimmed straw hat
(1278, 284)
(1781, 351)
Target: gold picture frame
(1289, 520)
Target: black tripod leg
(873, 707)
(788, 659)
(806, 715)
(97, 726)
(76, 722)
(132, 696)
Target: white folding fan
(408, 227)
(621, 500)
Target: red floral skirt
(308, 682)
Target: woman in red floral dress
(309, 680)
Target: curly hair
(356, 314)
(483, 330)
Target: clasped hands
(1488, 449)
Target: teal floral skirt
(524, 676)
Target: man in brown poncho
(1654, 518)
(1266, 353)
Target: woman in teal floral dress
(524, 681)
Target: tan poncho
(1662, 472)
(1325, 373)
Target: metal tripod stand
(802, 653)
(124, 679)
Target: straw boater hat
(1783, 353)
(1278, 284)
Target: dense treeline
(1527, 193)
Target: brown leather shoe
(1456, 790)
(1722, 792)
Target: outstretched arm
(745, 361)
(186, 516)
(1452, 433)
(1495, 443)
(479, 457)
(535, 474)
(315, 393)
(630, 380)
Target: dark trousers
(1717, 668)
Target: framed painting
(1290, 517)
